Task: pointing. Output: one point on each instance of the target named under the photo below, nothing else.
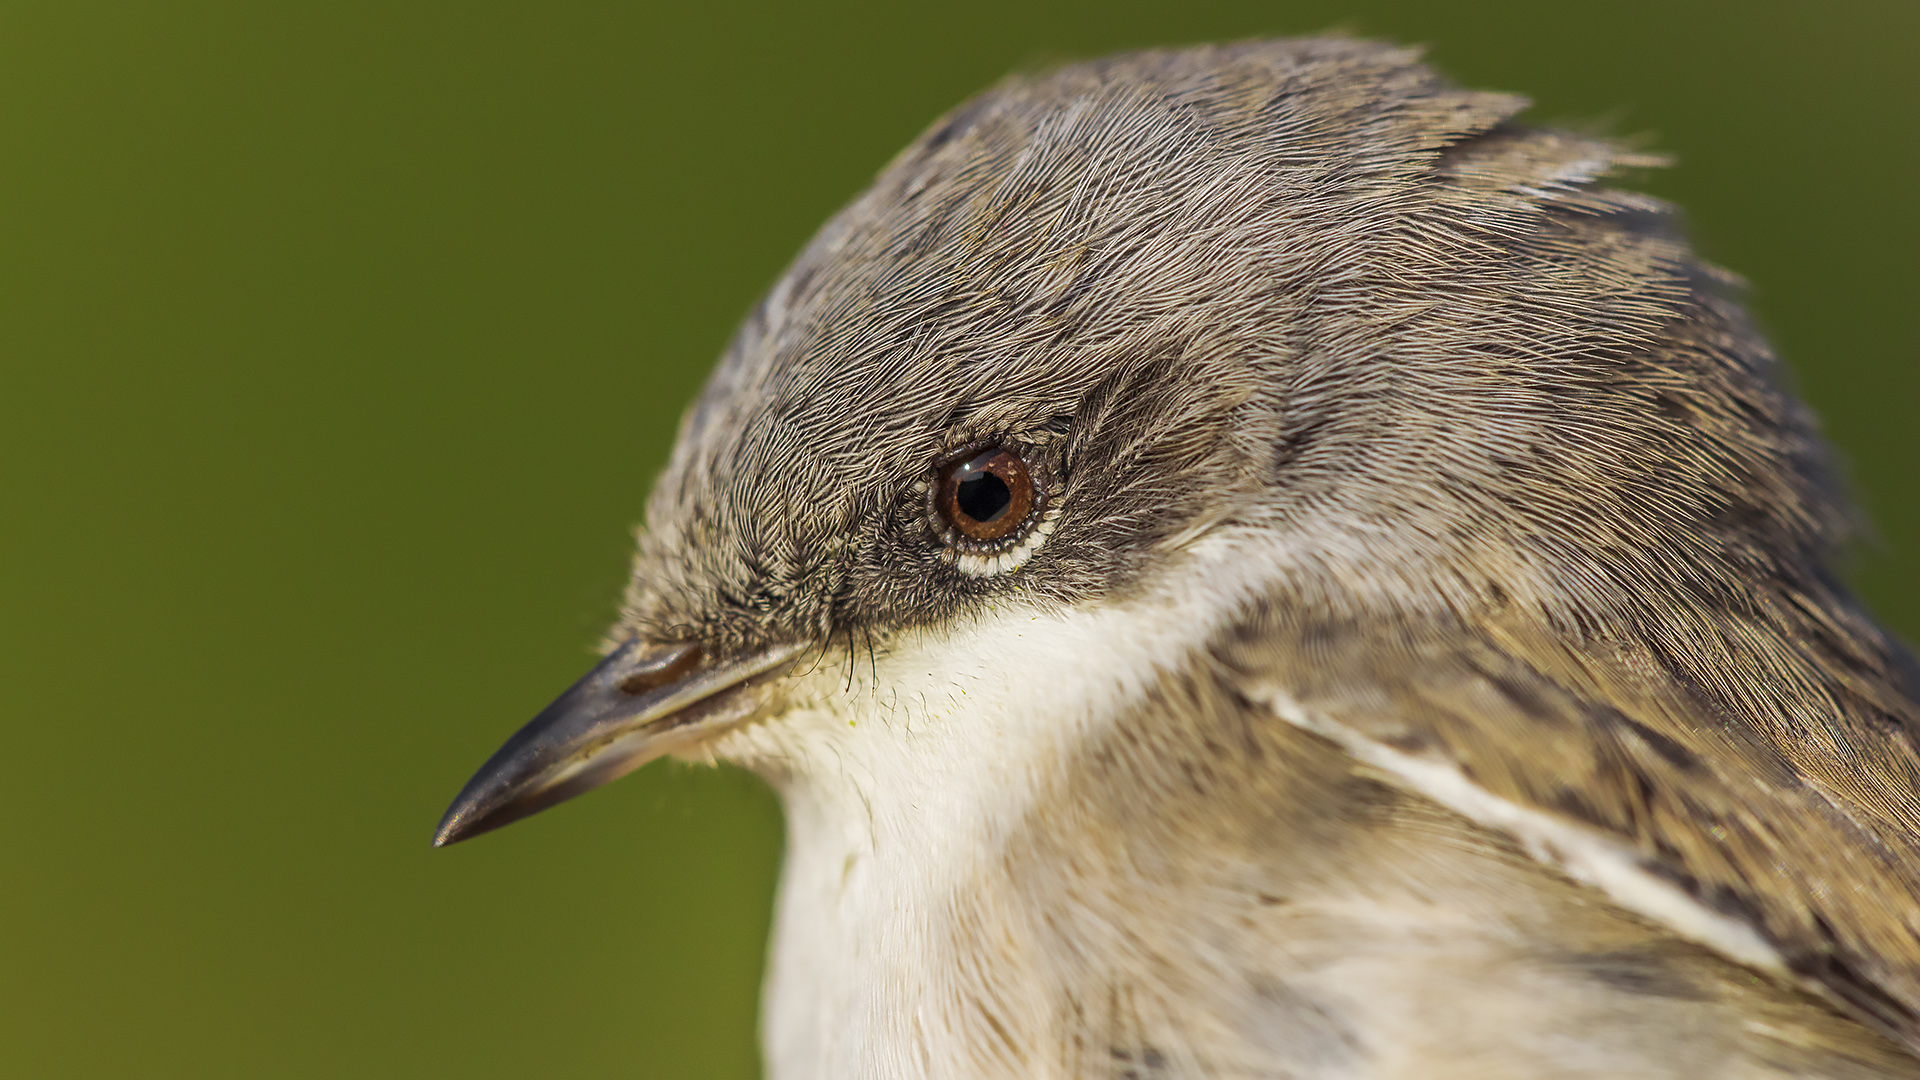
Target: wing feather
(1790, 842)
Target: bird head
(1115, 354)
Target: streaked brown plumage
(1435, 669)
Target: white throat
(907, 771)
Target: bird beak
(640, 703)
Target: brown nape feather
(1693, 681)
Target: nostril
(669, 669)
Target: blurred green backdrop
(341, 342)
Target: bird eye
(985, 496)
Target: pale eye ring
(988, 506)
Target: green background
(341, 342)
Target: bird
(1252, 560)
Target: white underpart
(905, 785)
(1587, 856)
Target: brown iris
(985, 496)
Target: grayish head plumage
(1537, 521)
(1314, 285)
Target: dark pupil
(983, 497)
